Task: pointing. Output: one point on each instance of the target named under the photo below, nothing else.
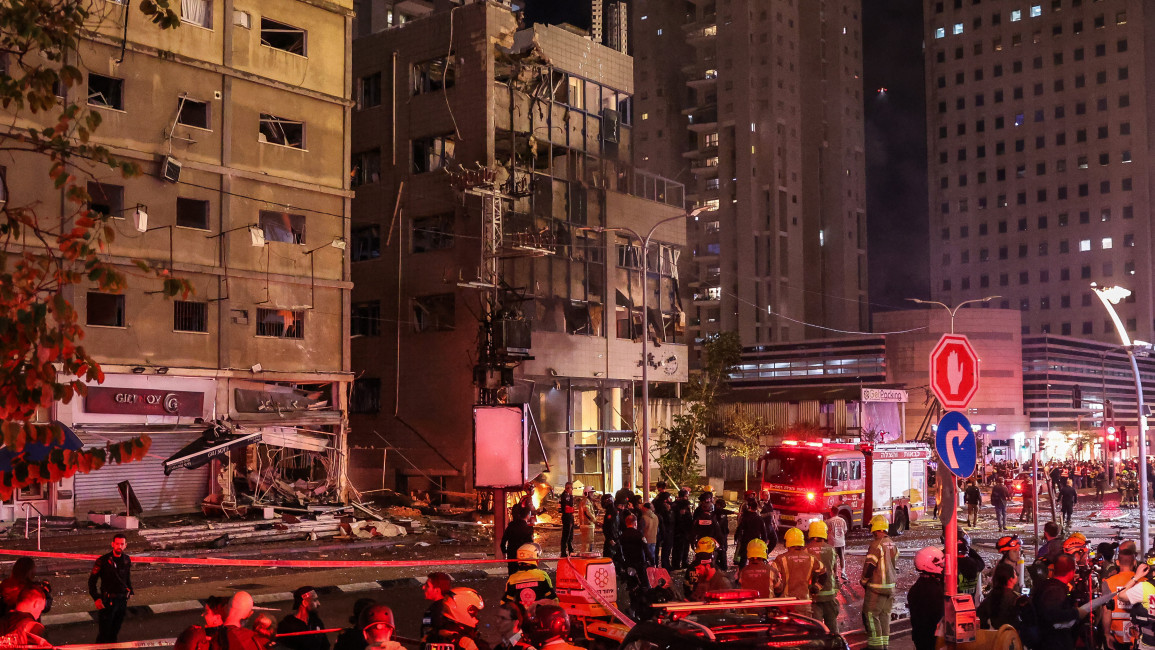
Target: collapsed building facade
(493, 163)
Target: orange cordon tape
(300, 564)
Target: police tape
(593, 591)
(292, 564)
(160, 643)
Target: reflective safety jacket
(797, 570)
(881, 555)
(828, 582)
(1118, 619)
(760, 576)
(528, 586)
(1141, 602)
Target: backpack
(1028, 622)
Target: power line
(821, 327)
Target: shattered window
(283, 37)
(278, 130)
(432, 233)
(431, 154)
(432, 75)
(283, 227)
(281, 323)
(435, 313)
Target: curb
(69, 618)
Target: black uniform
(970, 567)
(1057, 613)
(610, 534)
(722, 516)
(517, 533)
(114, 575)
(661, 505)
(750, 527)
(633, 546)
(567, 512)
(925, 602)
(291, 624)
(768, 519)
(683, 525)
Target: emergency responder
(703, 575)
(1116, 620)
(518, 533)
(21, 625)
(722, 516)
(113, 572)
(926, 597)
(683, 515)
(568, 510)
(663, 508)
(305, 618)
(550, 629)
(588, 520)
(1059, 616)
(377, 627)
(826, 598)
(1030, 493)
(1138, 598)
(758, 574)
(750, 527)
(798, 570)
(1012, 550)
(633, 549)
(610, 531)
(705, 521)
(529, 584)
(770, 519)
(970, 567)
(878, 580)
(353, 637)
(436, 588)
(458, 627)
(1067, 499)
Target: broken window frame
(432, 153)
(432, 233)
(183, 113)
(433, 75)
(267, 327)
(106, 199)
(366, 243)
(365, 395)
(281, 36)
(283, 227)
(434, 313)
(109, 94)
(281, 131)
(365, 168)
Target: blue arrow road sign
(955, 442)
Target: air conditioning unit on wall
(170, 169)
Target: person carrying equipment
(826, 598)
(799, 570)
(758, 574)
(529, 584)
(878, 580)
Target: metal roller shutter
(180, 492)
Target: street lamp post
(645, 242)
(1110, 296)
(950, 526)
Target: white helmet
(930, 560)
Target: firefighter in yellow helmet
(878, 578)
(703, 575)
(758, 574)
(528, 584)
(826, 598)
(798, 570)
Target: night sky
(896, 192)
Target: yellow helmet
(878, 522)
(794, 537)
(528, 553)
(706, 545)
(817, 529)
(756, 549)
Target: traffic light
(1109, 438)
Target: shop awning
(35, 452)
(203, 450)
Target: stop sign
(954, 371)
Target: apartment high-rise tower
(757, 106)
(1038, 117)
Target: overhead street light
(1111, 296)
(645, 242)
(957, 307)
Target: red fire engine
(807, 479)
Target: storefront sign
(620, 439)
(143, 401)
(247, 400)
(884, 395)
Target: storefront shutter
(180, 492)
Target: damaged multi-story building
(492, 164)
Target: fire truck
(807, 479)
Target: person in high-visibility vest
(1117, 619)
(878, 579)
(529, 584)
(826, 598)
(798, 570)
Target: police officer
(758, 574)
(663, 508)
(826, 598)
(878, 580)
(112, 572)
(529, 584)
(798, 570)
(566, 505)
(926, 597)
(750, 527)
(683, 514)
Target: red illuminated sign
(954, 371)
(143, 401)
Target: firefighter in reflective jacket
(798, 570)
(878, 578)
(528, 584)
(826, 598)
(758, 574)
